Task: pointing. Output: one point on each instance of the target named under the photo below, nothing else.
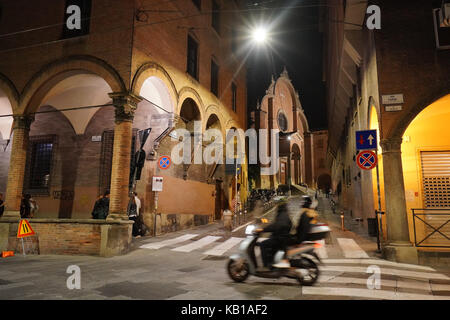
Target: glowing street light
(260, 35)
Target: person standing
(101, 207)
(133, 212)
(25, 206)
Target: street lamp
(259, 35)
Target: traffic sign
(25, 229)
(366, 160)
(366, 140)
(164, 162)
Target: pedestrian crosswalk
(351, 249)
(186, 243)
(350, 275)
(197, 244)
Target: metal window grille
(39, 164)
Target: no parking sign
(366, 160)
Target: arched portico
(398, 226)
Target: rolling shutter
(436, 178)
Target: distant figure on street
(34, 208)
(101, 207)
(134, 208)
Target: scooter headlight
(249, 230)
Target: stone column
(398, 246)
(16, 173)
(125, 104)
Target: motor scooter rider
(279, 238)
(307, 217)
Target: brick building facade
(133, 65)
(363, 67)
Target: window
(214, 78)
(282, 121)
(216, 16)
(39, 164)
(198, 4)
(233, 96)
(77, 14)
(359, 81)
(192, 58)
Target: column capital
(23, 121)
(125, 104)
(391, 145)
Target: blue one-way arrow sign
(366, 140)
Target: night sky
(295, 43)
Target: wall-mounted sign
(96, 138)
(366, 160)
(393, 108)
(366, 139)
(157, 184)
(392, 99)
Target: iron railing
(432, 226)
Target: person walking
(101, 207)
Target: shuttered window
(436, 178)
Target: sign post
(157, 186)
(367, 160)
(24, 230)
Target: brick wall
(68, 237)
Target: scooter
(302, 258)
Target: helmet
(306, 201)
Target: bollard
(227, 220)
(342, 221)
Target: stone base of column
(402, 252)
(117, 217)
(11, 214)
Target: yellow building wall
(429, 131)
(374, 125)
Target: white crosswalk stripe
(386, 271)
(224, 246)
(376, 262)
(197, 244)
(350, 248)
(165, 243)
(367, 293)
(322, 251)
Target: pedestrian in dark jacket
(280, 229)
(101, 207)
(25, 206)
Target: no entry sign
(366, 160)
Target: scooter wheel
(238, 271)
(312, 272)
